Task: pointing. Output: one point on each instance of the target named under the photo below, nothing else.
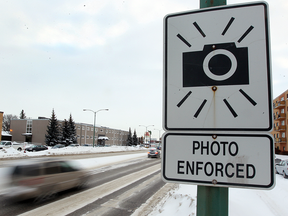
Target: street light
(159, 133)
(94, 120)
(146, 130)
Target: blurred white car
(42, 178)
(282, 168)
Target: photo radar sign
(217, 69)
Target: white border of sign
(231, 161)
(237, 107)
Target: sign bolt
(214, 88)
(214, 181)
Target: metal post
(94, 129)
(212, 201)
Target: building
(280, 130)
(34, 130)
(1, 121)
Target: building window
(82, 136)
(78, 127)
(283, 135)
(282, 99)
(88, 129)
(83, 128)
(29, 126)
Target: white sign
(217, 69)
(219, 160)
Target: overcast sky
(95, 54)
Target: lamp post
(94, 121)
(159, 132)
(146, 130)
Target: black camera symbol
(217, 64)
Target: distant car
(34, 148)
(282, 168)
(277, 161)
(58, 146)
(74, 145)
(42, 178)
(87, 145)
(153, 152)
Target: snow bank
(13, 153)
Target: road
(113, 190)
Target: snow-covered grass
(182, 200)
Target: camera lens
(219, 64)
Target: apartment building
(280, 130)
(34, 130)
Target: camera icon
(217, 64)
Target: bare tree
(7, 121)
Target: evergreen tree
(72, 130)
(52, 135)
(22, 115)
(129, 138)
(134, 138)
(65, 138)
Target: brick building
(280, 130)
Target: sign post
(212, 200)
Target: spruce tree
(52, 133)
(22, 115)
(72, 130)
(129, 138)
(65, 138)
(134, 138)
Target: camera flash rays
(230, 108)
(199, 29)
(248, 97)
(184, 40)
(184, 98)
(233, 112)
(245, 34)
(228, 25)
(200, 108)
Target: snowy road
(117, 189)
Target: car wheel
(284, 174)
(19, 149)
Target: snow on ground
(182, 199)
(12, 153)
